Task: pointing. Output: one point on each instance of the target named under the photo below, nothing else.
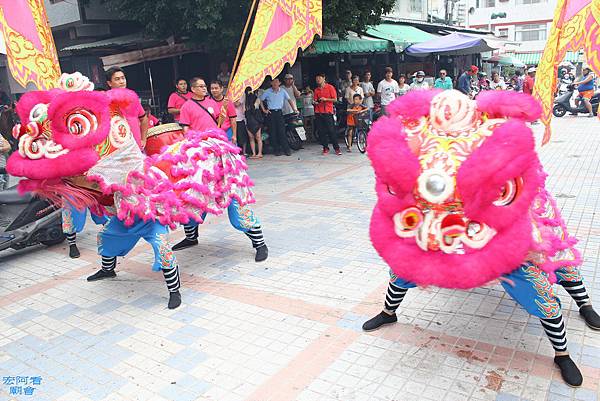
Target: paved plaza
(289, 328)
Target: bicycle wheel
(361, 141)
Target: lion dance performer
(462, 202)
(83, 146)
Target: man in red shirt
(529, 81)
(178, 98)
(324, 96)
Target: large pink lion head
(65, 131)
(455, 181)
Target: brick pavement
(289, 328)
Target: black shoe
(174, 299)
(262, 253)
(101, 275)
(380, 320)
(590, 316)
(288, 153)
(568, 370)
(278, 153)
(74, 251)
(186, 243)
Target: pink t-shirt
(197, 119)
(231, 113)
(176, 101)
(152, 121)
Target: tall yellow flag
(280, 28)
(30, 46)
(576, 26)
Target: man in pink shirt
(229, 125)
(200, 112)
(178, 98)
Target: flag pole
(223, 111)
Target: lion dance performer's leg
(73, 222)
(572, 281)
(242, 218)
(530, 287)
(116, 239)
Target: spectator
(308, 110)
(402, 85)
(225, 111)
(324, 96)
(345, 83)
(254, 123)
(5, 149)
(586, 89)
(529, 81)
(178, 98)
(497, 82)
(152, 120)
(355, 108)
(115, 79)
(464, 82)
(224, 75)
(443, 82)
(292, 91)
(275, 98)
(352, 90)
(387, 89)
(419, 83)
(240, 120)
(483, 82)
(200, 112)
(368, 92)
(518, 81)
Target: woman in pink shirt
(229, 124)
(178, 98)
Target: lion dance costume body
(461, 202)
(81, 147)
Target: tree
(218, 24)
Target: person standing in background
(388, 89)
(240, 120)
(352, 90)
(465, 80)
(228, 124)
(290, 87)
(419, 83)
(178, 98)
(443, 82)
(369, 92)
(275, 98)
(529, 81)
(224, 75)
(324, 97)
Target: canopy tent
(401, 36)
(535, 57)
(352, 44)
(455, 44)
(506, 59)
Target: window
(530, 1)
(530, 32)
(416, 6)
(485, 3)
(503, 33)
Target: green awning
(534, 58)
(349, 45)
(401, 35)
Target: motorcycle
(26, 220)
(294, 131)
(562, 104)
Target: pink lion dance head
(460, 189)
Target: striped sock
(172, 278)
(577, 291)
(556, 332)
(256, 236)
(71, 239)
(394, 297)
(109, 263)
(191, 232)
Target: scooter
(26, 220)
(562, 104)
(294, 131)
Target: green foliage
(218, 24)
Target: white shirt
(287, 109)
(351, 92)
(388, 91)
(419, 85)
(239, 110)
(498, 85)
(367, 87)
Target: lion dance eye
(509, 192)
(81, 122)
(391, 190)
(39, 113)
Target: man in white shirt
(290, 87)
(419, 83)
(368, 91)
(387, 89)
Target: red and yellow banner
(280, 28)
(30, 46)
(575, 27)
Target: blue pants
(531, 289)
(242, 218)
(73, 220)
(115, 239)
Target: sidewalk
(289, 328)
